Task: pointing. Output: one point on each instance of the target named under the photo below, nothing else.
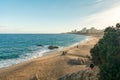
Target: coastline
(20, 50)
(51, 66)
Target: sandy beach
(52, 66)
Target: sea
(17, 48)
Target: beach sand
(52, 66)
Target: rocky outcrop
(35, 77)
(82, 75)
(78, 61)
(53, 47)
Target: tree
(107, 53)
(118, 26)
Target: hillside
(106, 57)
(106, 54)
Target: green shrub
(107, 53)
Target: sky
(57, 16)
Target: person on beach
(91, 66)
(64, 52)
(77, 46)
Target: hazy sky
(55, 16)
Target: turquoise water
(16, 48)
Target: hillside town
(87, 31)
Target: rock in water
(53, 47)
(40, 45)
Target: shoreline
(43, 51)
(47, 64)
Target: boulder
(53, 47)
(78, 61)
